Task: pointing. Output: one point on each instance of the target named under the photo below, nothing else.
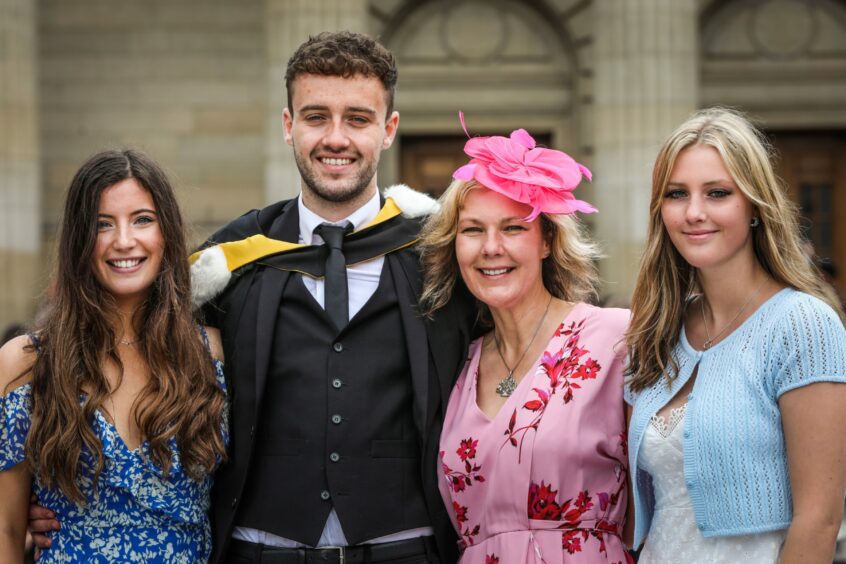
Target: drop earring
(755, 222)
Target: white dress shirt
(362, 281)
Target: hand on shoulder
(16, 359)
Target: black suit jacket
(246, 315)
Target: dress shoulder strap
(36, 342)
(205, 336)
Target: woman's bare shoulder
(215, 343)
(16, 359)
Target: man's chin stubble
(344, 195)
(339, 195)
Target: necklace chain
(709, 341)
(127, 342)
(508, 384)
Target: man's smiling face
(338, 127)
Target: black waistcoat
(336, 428)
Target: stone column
(646, 83)
(20, 186)
(289, 23)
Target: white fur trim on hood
(411, 202)
(210, 272)
(209, 275)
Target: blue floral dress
(135, 514)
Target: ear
(288, 124)
(391, 125)
(547, 246)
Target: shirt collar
(359, 218)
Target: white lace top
(673, 536)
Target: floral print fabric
(135, 513)
(545, 479)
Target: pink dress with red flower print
(545, 480)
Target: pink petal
(522, 136)
(582, 206)
(559, 202)
(536, 211)
(491, 149)
(505, 153)
(528, 175)
(485, 178)
(557, 164)
(465, 172)
(475, 146)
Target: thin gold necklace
(709, 341)
(508, 384)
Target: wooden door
(428, 161)
(813, 166)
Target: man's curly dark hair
(345, 54)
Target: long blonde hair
(568, 273)
(666, 282)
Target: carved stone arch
(782, 60)
(505, 63)
(391, 23)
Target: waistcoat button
(336, 419)
(336, 383)
(324, 495)
(334, 457)
(338, 347)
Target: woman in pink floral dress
(533, 448)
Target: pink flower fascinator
(515, 167)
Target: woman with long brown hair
(737, 363)
(114, 410)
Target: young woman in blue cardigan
(737, 363)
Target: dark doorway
(813, 166)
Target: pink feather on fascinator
(516, 168)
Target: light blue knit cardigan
(735, 464)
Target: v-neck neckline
(116, 436)
(528, 375)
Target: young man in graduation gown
(337, 384)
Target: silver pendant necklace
(709, 341)
(508, 384)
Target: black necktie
(335, 294)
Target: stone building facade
(198, 84)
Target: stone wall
(20, 188)
(182, 80)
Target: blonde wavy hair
(569, 272)
(666, 282)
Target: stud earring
(755, 222)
